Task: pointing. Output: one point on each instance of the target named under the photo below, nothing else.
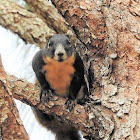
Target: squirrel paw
(81, 101)
(70, 104)
(46, 95)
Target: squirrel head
(59, 48)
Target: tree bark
(49, 14)
(10, 123)
(110, 33)
(115, 64)
(87, 20)
(82, 117)
(25, 23)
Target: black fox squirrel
(60, 70)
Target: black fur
(63, 131)
(78, 77)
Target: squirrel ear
(69, 34)
(50, 37)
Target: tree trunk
(110, 33)
(116, 65)
(87, 20)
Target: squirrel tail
(62, 131)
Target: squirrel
(60, 70)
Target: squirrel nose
(60, 54)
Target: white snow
(16, 59)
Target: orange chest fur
(59, 74)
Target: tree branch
(26, 24)
(85, 118)
(10, 124)
(49, 14)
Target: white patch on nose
(60, 50)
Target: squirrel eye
(49, 44)
(69, 43)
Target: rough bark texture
(11, 127)
(82, 117)
(86, 19)
(49, 14)
(26, 24)
(110, 30)
(115, 65)
(124, 29)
